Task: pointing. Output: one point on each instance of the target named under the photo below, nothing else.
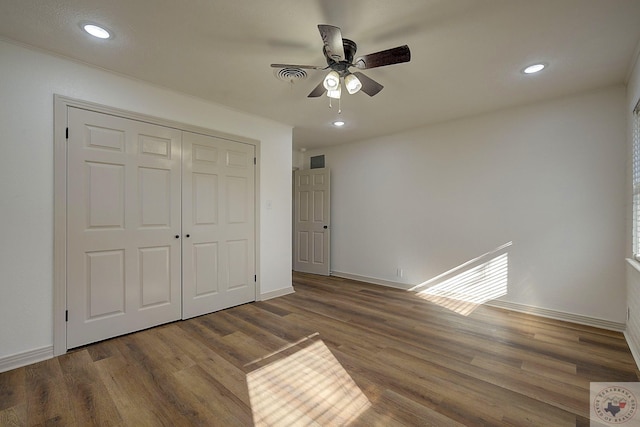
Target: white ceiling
(467, 55)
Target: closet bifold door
(218, 245)
(123, 226)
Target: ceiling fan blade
(369, 86)
(318, 91)
(385, 57)
(306, 67)
(332, 38)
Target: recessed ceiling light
(96, 31)
(534, 68)
(338, 123)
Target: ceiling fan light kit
(340, 56)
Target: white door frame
(61, 104)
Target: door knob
(325, 227)
(187, 236)
(177, 236)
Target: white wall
(547, 177)
(28, 81)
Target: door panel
(106, 195)
(154, 198)
(218, 201)
(123, 260)
(205, 196)
(155, 274)
(105, 283)
(312, 221)
(205, 268)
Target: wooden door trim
(60, 120)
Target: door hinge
(255, 278)
(67, 133)
(255, 162)
(66, 315)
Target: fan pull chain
(339, 104)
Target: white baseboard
(375, 281)
(277, 293)
(559, 315)
(14, 361)
(521, 308)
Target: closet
(160, 224)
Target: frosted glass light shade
(332, 81)
(334, 93)
(352, 83)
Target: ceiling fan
(339, 53)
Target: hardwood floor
(337, 352)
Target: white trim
(375, 281)
(61, 105)
(633, 263)
(59, 225)
(18, 360)
(277, 293)
(635, 352)
(512, 306)
(559, 315)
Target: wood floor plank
(47, 395)
(14, 416)
(335, 352)
(133, 400)
(89, 397)
(12, 389)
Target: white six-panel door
(123, 257)
(312, 221)
(160, 225)
(218, 224)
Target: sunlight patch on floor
(465, 291)
(308, 387)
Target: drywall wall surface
(543, 184)
(29, 81)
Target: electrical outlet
(399, 272)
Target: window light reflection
(308, 387)
(477, 283)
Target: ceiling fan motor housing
(342, 67)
